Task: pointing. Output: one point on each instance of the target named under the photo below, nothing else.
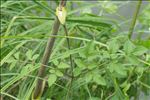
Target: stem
(71, 64)
(48, 50)
(68, 44)
(145, 85)
(130, 74)
(134, 19)
(45, 59)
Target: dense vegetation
(109, 62)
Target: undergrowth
(107, 64)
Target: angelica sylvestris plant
(88, 52)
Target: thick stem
(134, 19)
(48, 50)
(46, 56)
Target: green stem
(71, 64)
(145, 85)
(134, 19)
(68, 44)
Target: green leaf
(113, 46)
(48, 99)
(17, 55)
(12, 65)
(99, 80)
(111, 67)
(55, 62)
(139, 70)
(128, 47)
(105, 54)
(11, 52)
(115, 97)
(148, 58)
(63, 65)
(92, 65)
(51, 79)
(94, 21)
(145, 43)
(118, 68)
(140, 50)
(80, 63)
(11, 60)
(82, 53)
(52, 71)
(77, 71)
(113, 56)
(29, 54)
(133, 60)
(35, 56)
(88, 50)
(58, 73)
(90, 47)
(93, 55)
(26, 69)
(88, 77)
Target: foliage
(107, 64)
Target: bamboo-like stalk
(48, 50)
(134, 19)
